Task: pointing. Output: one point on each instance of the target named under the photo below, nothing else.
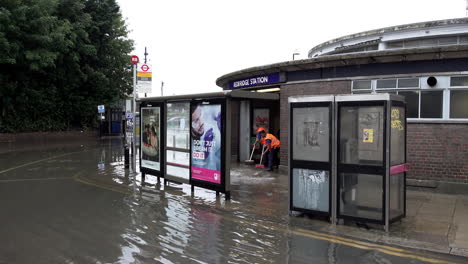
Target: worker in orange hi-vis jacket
(272, 147)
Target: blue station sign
(256, 81)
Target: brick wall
(438, 152)
(312, 88)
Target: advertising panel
(206, 142)
(150, 137)
(261, 118)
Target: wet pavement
(75, 203)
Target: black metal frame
(162, 138)
(399, 104)
(312, 165)
(167, 177)
(209, 185)
(370, 169)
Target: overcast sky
(191, 43)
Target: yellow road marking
(369, 246)
(389, 250)
(38, 161)
(101, 186)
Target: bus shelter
(348, 157)
(187, 138)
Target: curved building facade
(427, 63)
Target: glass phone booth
(310, 152)
(371, 158)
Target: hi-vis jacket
(275, 143)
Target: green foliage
(60, 59)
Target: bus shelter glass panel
(310, 139)
(150, 138)
(178, 141)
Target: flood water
(75, 203)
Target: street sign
(135, 59)
(145, 67)
(101, 109)
(129, 116)
(144, 78)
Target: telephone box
(371, 158)
(347, 157)
(310, 152)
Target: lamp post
(295, 53)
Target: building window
(450, 102)
(463, 39)
(448, 41)
(459, 104)
(395, 45)
(459, 81)
(362, 85)
(412, 103)
(408, 83)
(386, 83)
(431, 104)
(427, 42)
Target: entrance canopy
(187, 138)
(235, 94)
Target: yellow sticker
(368, 135)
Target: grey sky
(191, 43)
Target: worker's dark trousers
(271, 158)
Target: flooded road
(75, 203)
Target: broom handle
(261, 158)
(251, 155)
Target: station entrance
(253, 114)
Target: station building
(427, 63)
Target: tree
(59, 60)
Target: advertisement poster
(261, 118)
(150, 126)
(206, 142)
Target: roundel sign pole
(134, 59)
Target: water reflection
(111, 216)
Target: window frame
(446, 92)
